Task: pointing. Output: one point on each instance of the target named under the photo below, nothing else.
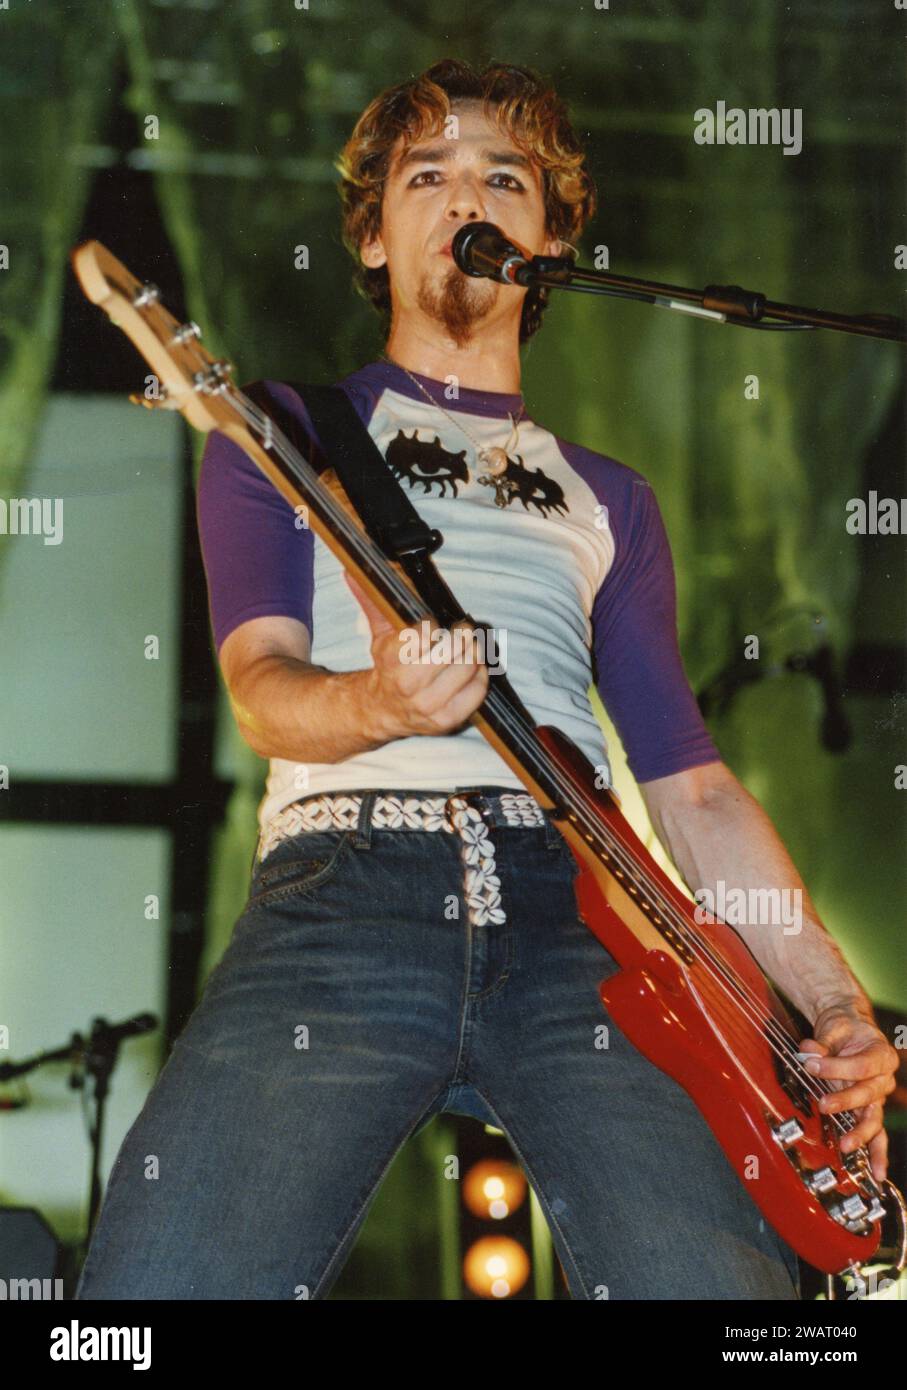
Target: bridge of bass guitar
(826, 1205)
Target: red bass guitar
(689, 996)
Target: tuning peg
(214, 378)
(186, 331)
(148, 294)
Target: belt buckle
(471, 797)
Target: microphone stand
(94, 1056)
(100, 1055)
(722, 303)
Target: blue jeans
(350, 1007)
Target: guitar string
(272, 437)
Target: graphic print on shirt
(415, 460)
(532, 488)
(436, 465)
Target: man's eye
(427, 177)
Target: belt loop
(362, 836)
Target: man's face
(435, 186)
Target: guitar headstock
(189, 379)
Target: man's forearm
(307, 714)
(730, 838)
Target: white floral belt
(452, 813)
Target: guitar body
(680, 1014)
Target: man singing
(407, 950)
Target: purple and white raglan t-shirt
(574, 575)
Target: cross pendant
(502, 490)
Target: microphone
(481, 249)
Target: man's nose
(466, 202)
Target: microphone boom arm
(722, 303)
(481, 249)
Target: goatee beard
(459, 304)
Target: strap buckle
(408, 538)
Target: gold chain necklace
(494, 458)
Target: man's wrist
(850, 1005)
(379, 727)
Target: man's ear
(554, 248)
(372, 253)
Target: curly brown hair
(524, 105)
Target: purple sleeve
(638, 668)
(258, 563)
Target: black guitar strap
(389, 516)
(385, 510)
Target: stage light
(496, 1267)
(494, 1189)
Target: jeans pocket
(298, 866)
